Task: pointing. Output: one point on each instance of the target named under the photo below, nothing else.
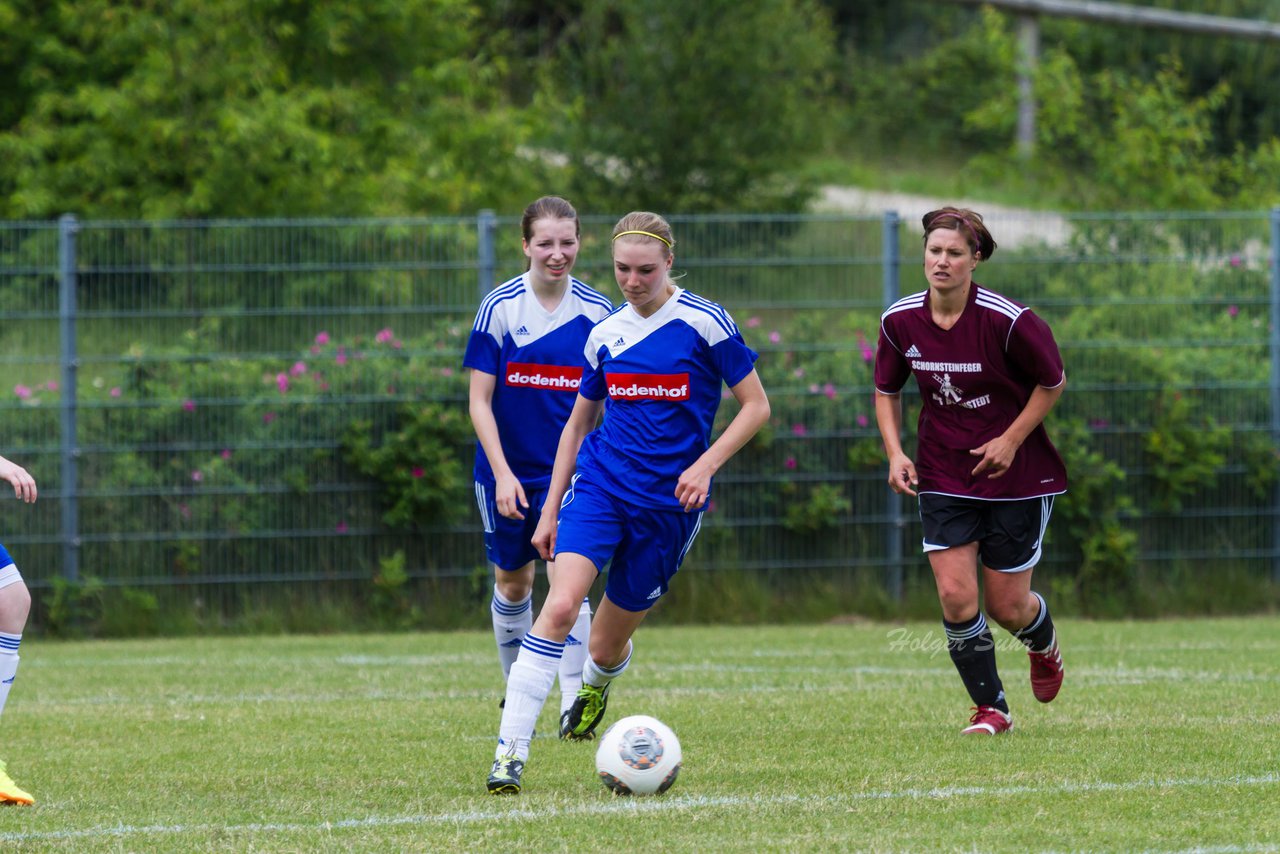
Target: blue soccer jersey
(536, 356)
(663, 377)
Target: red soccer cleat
(988, 720)
(1046, 672)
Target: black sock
(973, 651)
(1038, 635)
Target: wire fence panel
(258, 402)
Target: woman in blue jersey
(631, 492)
(525, 356)
(15, 605)
(989, 371)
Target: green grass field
(818, 738)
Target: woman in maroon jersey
(985, 471)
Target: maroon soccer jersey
(974, 378)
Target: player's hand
(24, 485)
(997, 455)
(693, 487)
(544, 537)
(902, 475)
(509, 497)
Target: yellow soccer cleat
(9, 791)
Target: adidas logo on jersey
(912, 352)
(513, 643)
(620, 341)
(523, 330)
(657, 591)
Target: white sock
(594, 674)
(528, 685)
(575, 656)
(8, 664)
(511, 621)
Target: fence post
(1275, 385)
(486, 259)
(893, 501)
(68, 227)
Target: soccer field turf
(834, 737)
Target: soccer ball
(638, 755)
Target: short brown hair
(967, 222)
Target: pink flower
(282, 382)
(197, 475)
(341, 527)
(753, 322)
(867, 353)
(384, 335)
(1233, 310)
(226, 453)
(188, 405)
(775, 337)
(52, 385)
(341, 358)
(397, 344)
(814, 388)
(798, 373)
(298, 369)
(185, 511)
(1235, 260)
(790, 462)
(446, 372)
(268, 417)
(799, 430)
(315, 349)
(115, 391)
(322, 338)
(830, 391)
(861, 420)
(418, 471)
(22, 392)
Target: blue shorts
(643, 547)
(508, 543)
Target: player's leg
(575, 651)
(511, 611)
(15, 605)
(969, 639)
(648, 556)
(1009, 556)
(535, 668)
(512, 556)
(952, 528)
(588, 531)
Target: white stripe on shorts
(10, 575)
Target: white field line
(645, 806)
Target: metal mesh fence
(188, 395)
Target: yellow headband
(646, 234)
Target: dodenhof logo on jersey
(552, 377)
(648, 386)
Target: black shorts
(1008, 533)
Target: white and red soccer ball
(638, 755)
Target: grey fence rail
(188, 394)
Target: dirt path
(1011, 227)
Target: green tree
(199, 108)
(689, 107)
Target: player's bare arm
(694, 483)
(902, 471)
(582, 420)
(24, 485)
(509, 495)
(997, 455)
